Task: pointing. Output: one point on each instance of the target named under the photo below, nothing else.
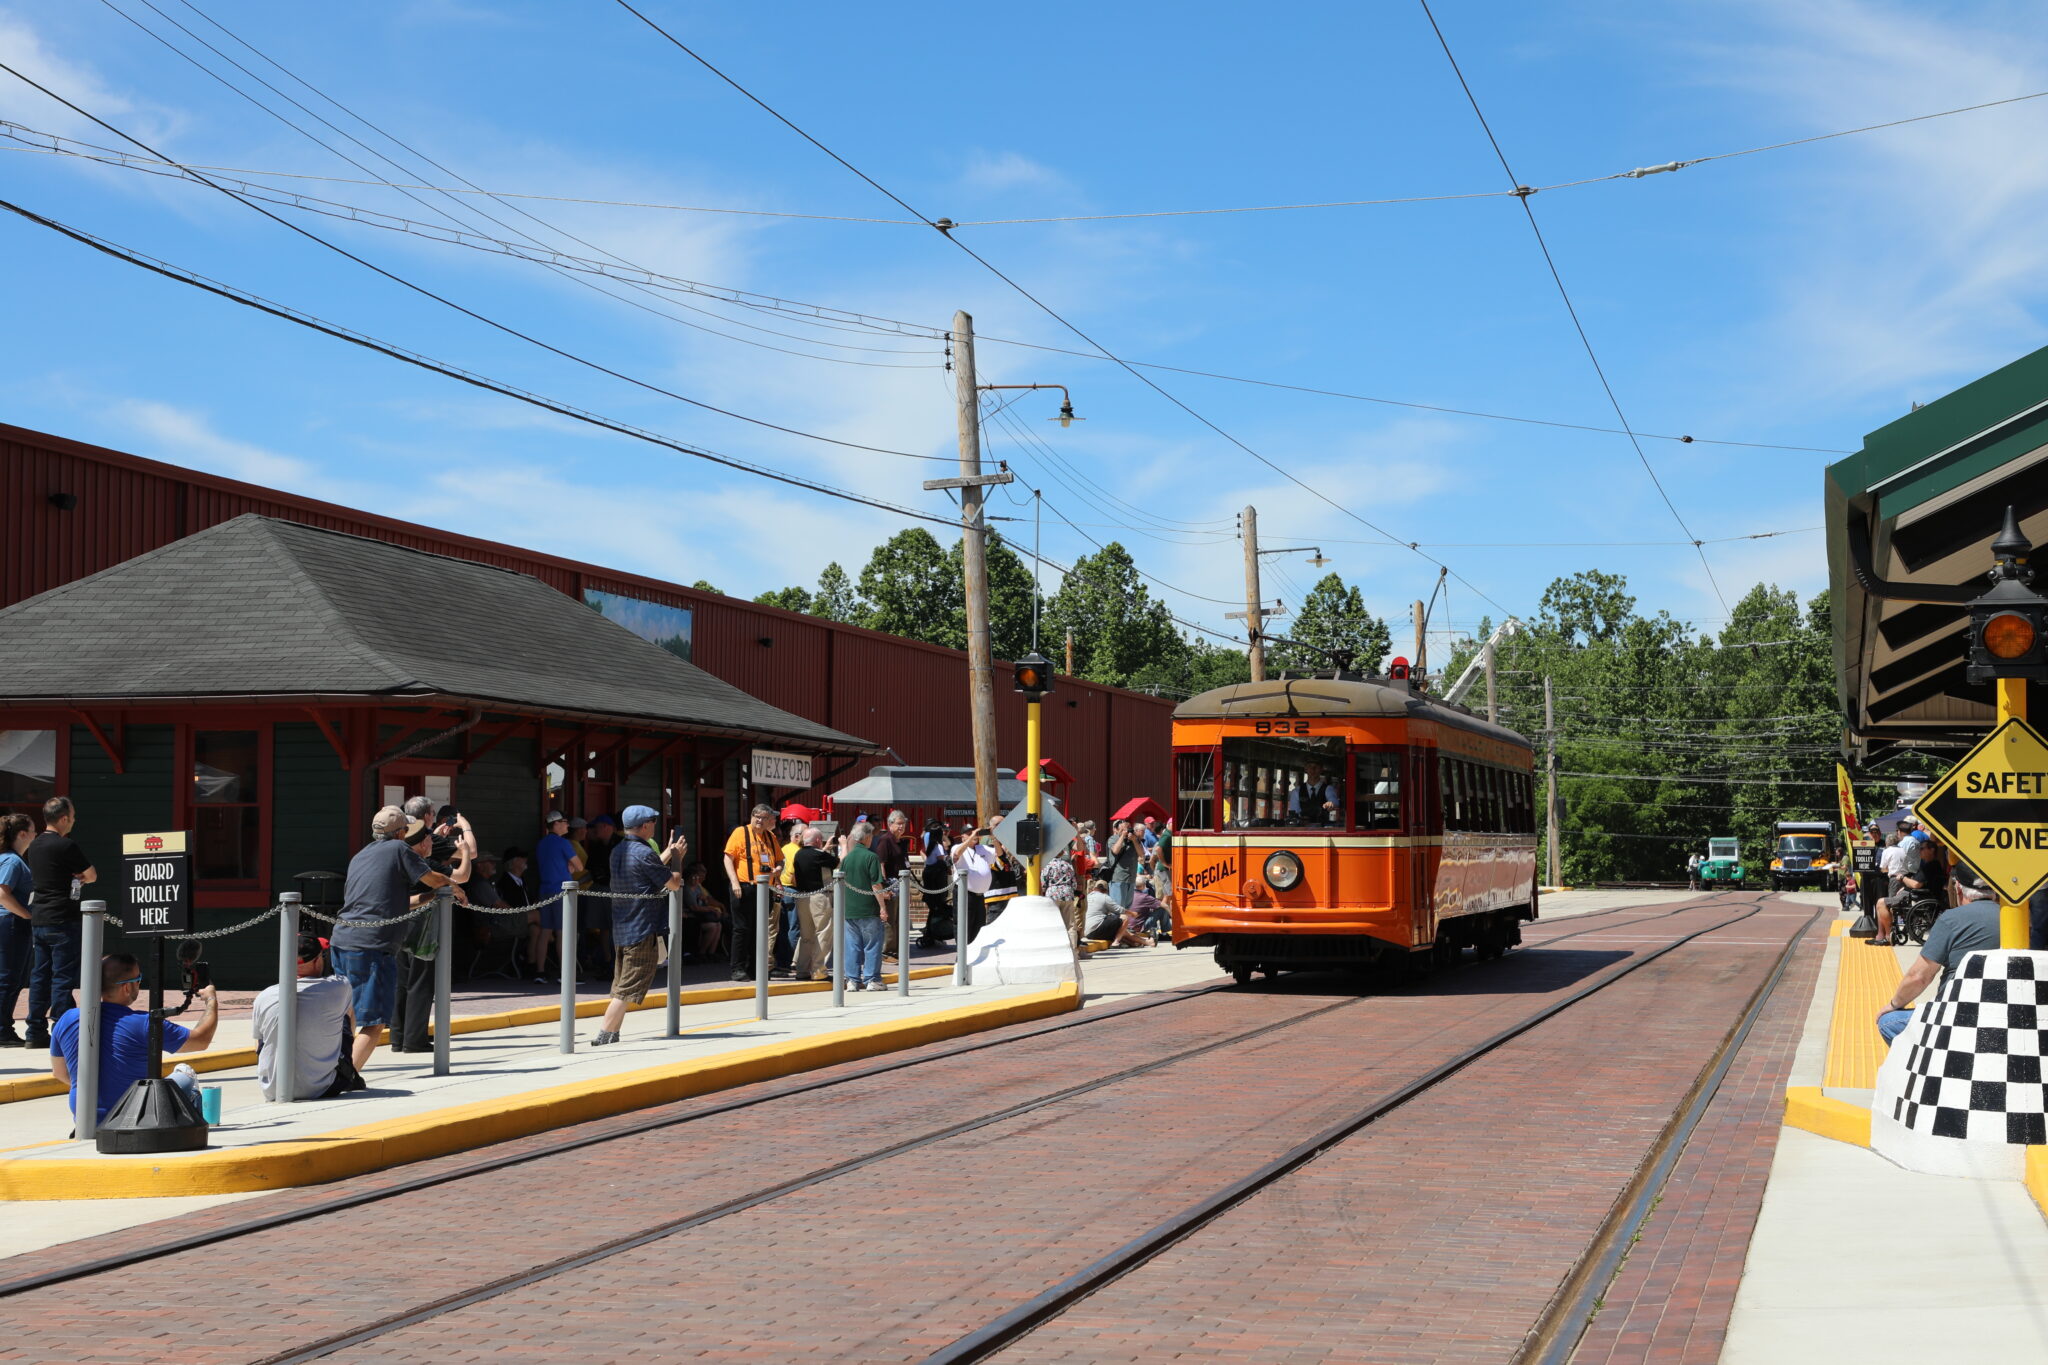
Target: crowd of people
(371, 980)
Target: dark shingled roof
(259, 607)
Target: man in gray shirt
(321, 1036)
(1971, 928)
(366, 935)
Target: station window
(1195, 784)
(1379, 789)
(28, 771)
(227, 798)
(1275, 781)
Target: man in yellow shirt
(750, 851)
(785, 885)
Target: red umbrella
(793, 811)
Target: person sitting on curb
(323, 1035)
(124, 1034)
(647, 874)
(1971, 928)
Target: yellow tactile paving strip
(1865, 984)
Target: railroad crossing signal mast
(2009, 649)
(1034, 679)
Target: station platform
(511, 1080)
(1855, 1258)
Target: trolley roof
(1337, 696)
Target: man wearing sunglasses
(124, 1033)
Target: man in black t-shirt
(811, 879)
(61, 872)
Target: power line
(425, 292)
(1558, 279)
(367, 342)
(1044, 307)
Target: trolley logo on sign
(1990, 809)
(156, 890)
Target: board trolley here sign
(156, 883)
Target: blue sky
(1800, 297)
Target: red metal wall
(907, 695)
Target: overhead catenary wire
(370, 343)
(1638, 173)
(817, 315)
(1571, 309)
(492, 323)
(1047, 309)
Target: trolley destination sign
(1992, 809)
(156, 876)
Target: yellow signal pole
(1034, 795)
(2015, 928)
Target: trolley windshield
(1269, 781)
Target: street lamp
(1066, 417)
(1313, 550)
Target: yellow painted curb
(1807, 1108)
(374, 1146)
(2036, 1176)
(230, 1058)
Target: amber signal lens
(2008, 635)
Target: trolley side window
(1283, 781)
(1196, 786)
(1379, 789)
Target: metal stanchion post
(838, 939)
(762, 943)
(903, 932)
(94, 925)
(961, 975)
(674, 1008)
(568, 947)
(444, 975)
(284, 1070)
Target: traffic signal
(1033, 676)
(1397, 671)
(2009, 623)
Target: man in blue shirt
(646, 874)
(124, 1034)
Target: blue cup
(209, 1103)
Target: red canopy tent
(1138, 807)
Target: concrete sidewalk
(512, 1062)
(1856, 1259)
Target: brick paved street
(1438, 1234)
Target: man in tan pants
(812, 881)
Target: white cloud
(28, 52)
(1008, 171)
(178, 431)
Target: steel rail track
(1563, 1323)
(1026, 1318)
(356, 1199)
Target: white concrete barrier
(1026, 943)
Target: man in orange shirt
(751, 851)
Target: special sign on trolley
(1992, 809)
(156, 891)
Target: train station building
(192, 652)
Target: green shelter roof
(1915, 510)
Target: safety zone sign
(1992, 809)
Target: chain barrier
(115, 920)
(411, 914)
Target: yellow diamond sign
(1992, 809)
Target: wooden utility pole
(1070, 651)
(974, 557)
(1419, 670)
(1550, 782)
(1254, 621)
(1492, 708)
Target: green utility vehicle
(1722, 866)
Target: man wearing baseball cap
(369, 929)
(323, 1069)
(645, 873)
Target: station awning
(1915, 510)
(893, 786)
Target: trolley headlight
(1282, 871)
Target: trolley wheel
(1241, 975)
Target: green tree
(789, 599)
(1587, 606)
(836, 599)
(910, 589)
(1010, 593)
(702, 586)
(1333, 620)
(1120, 631)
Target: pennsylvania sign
(1992, 809)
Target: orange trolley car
(1342, 821)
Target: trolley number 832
(1281, 727)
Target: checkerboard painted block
(1962, 1091)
